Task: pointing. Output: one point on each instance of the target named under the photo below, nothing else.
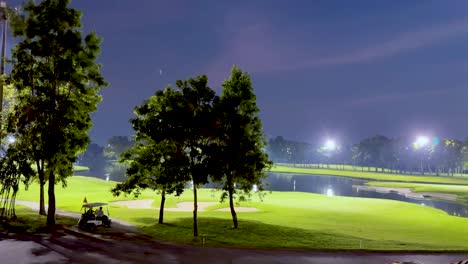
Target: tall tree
(241, 160)
(193, 130)
(182, 117)
(54, 70)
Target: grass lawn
(372, 175)
(285, 220)
(349, 168)
(31, 222)
(459, 190)
(77, 168)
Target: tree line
(103, 161)
(378, 153)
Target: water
(342, 186)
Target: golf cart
(90, 220)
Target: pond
(343, 186)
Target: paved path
(86, 249)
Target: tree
(464, 153)
(241, 161)
(15, 168)
(55, 73)
(116, 145)
(94, 159)
(182, 117)
(156, 166)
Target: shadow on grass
(254, 234)
(30, 222)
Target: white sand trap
(137, 204)
(188, 206)
(239, 209)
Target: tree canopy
(58, 80)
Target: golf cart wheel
(91, 227)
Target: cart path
(87, 249)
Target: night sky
(320, 69)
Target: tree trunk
(195, 208)
(40, 172)
(51, 209)
(161, 207)
(41, 198)
(231, 205)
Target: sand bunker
(181, 207)
(136, 204)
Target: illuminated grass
(285, 220)
(353, 168)
(77, 168)
(371, 175)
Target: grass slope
(372, 175)
(285, 220)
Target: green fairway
(78, 168)
(372, 175)
(459, 190)
(285, 220)
(352, 168)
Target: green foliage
(239, 149)
(117, 145)
(15, 168)
(58, 81)
(93, 158)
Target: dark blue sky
(342, 69)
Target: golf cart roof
(91, 205)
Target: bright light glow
(330, 193)
(330, 145)
(421, 141)
(11, 139)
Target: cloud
(393, 97)
(401, 43)
(259, 47)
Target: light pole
(329, 147)
(419, 145)
(4, 18)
